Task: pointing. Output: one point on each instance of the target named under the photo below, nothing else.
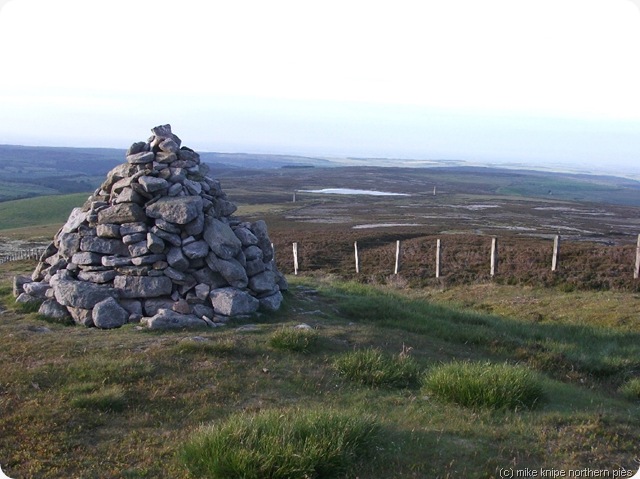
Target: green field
(42, 210)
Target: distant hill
(29, 171)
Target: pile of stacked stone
(157, 243)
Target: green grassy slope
(41, 210)
(123, 403)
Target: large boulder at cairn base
(81, 294)
(109, 314)
(233, 302)
(158, 238)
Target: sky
(540, 82)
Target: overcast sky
(535, 81)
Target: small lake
(349, 191)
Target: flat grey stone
(81, 316)
(18, 284)
(221, 238)
(272, 302)
(148, 259)
(112, 261)
(171, 238)
(179, 210)
(107, 246)
(53, 310)
(87, 258)
(122, 213)
(25, 298)
(132, 228)
(197, 249)
(76, 218)
(153, 305)
(230, 269)
(177, 259)
(99, 277)
(134, 238)
(246, 237)
(108, 230)
(141, 158)
(151, 184)
(263, 282)
(142, 286)
(233, 302)
(81, 294)
(37, 289)
(155, 243)
(167, 319)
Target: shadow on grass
(554, 348)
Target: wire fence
(24, 254)
(458, 259)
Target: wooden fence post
(438, 255)
(556, 248)
(355, 247)
(636, 271)
(295, 258)
(397, 268)
(494, 256)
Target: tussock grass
(631, 389)
(276, 444)
(559, 348)
(30, 307)
(294, 339)
(372, 367)
(485, 385)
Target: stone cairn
(156, 244)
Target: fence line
(494, 256)
(493, 259)
(32, 253)
(636, 269)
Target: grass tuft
(485, 385)
(107, 399)
(631, 389)
(293, 339)
(372, 367)
(208, 347)
(272, 445)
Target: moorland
(130, 403)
